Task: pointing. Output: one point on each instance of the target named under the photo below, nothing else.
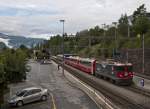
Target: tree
(2, 81)
(140, 12)
(82, 38)
(15, 65)
(2, 77)
(23, 47)
(141, 25)
(123, 25)
(96, 31)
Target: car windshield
(21, 93)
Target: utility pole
(89, 44)
(143, 63)
(104, 26)
(90, 41)
(128, 37)
(63, 21)
(116, 46)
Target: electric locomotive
(119, 73)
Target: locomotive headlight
(98, 69)
(126, 74)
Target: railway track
(139, 90)
(121, 101)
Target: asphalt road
(63, 95)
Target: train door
(93, 67)
(108, 69)
(99, 69)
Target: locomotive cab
(119, 73)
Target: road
(63, 95)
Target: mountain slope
(16, 41)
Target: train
(117, 72)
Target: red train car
(84, 64)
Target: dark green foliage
(140, 12)
(2, 45)
(1, 93)
(123, 26)
(12, 67)
(23, 47)
(2, 77)
(141, 25)
(15, 65)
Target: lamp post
(104, 26)
(128, 37)
(115, 23)
(143, 64)
(63, 21)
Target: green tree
(123, 25)
(15, 65)
(141, 11)
(2, 80)
(141, 25)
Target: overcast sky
(41, 17)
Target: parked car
(28, 95)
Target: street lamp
(115, 23)
(143, 47)
(104, 26)
(128, 37)
(63, 21)
(104, 35)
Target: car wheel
(19, 103)
(44, 98)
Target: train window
(86, 63)
(98, 67)
(129, 68)
(119, 68)
(104, 65)
(123, 68)
(109, 67)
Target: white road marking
(53, 101)
(92, 91)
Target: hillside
(15, 41)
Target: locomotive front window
(98, 67)
(120, 68)
(130, 68)
(123, 68)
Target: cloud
(40, 17)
